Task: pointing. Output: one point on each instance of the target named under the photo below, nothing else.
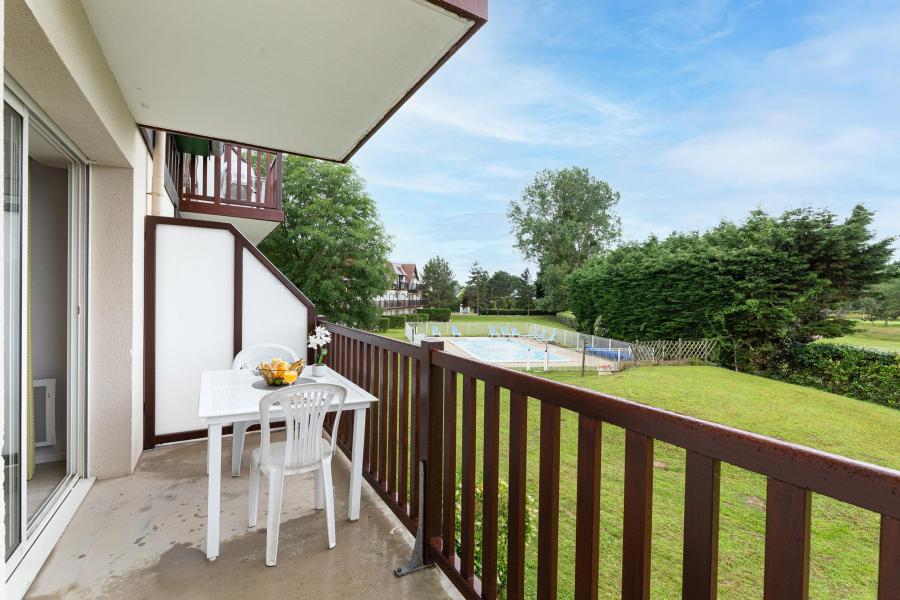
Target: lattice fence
(659, 351)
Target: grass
(845, 538)
(871, 334)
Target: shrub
(514, 311)
(567, 318)
(847, 370)
(382, 324)
(396, 321)
(502, 527)
(440, 314)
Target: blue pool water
(503, 350)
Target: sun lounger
(514, 332)
(504, 331)
(435, 332)
(454, 331)
(492, 331)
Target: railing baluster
(366, 385)
(392, 424)
(787, 541)
(548, 502)
(489, 491)
(403, 484)
(637, 526)
(383, 426)
(217, 183)
(415, 444)
(467, 508)
(889, 559)
(258, 172)
(205, 176)
(376, 412)
(449, 528)
(587, 506)
(515, 558)
(700, 558)
(249, 173)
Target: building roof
(409, 270)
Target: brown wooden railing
(242, 181)
(416, 418)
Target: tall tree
(525, 293)
(332, 244)
(438, 283)
(478, 287)
(502, 286)
(563, 218)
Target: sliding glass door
(44, 296)
(13, 208)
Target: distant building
(405, 294)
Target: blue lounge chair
(435, 332)
(504, 331)
(454, 331)
(536, 336)
(514, 332)
(492, 331)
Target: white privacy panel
(194, 318)
(271, 313)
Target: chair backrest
(249, 358)
(514, 330)
(504, 330)
(435, 332)
(492, 330)
(454, 330)
(304, 408)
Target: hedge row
(568, 319)
(514, 311)
(847, 370)
(432, 314)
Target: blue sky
(694, 111)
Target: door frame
(42, 531)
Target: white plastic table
(229, 396)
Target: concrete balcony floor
(143, 537)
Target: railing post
(430, 417)
(427, 405)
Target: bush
(847, 370)
(397, 321)
(382, 324)
(530, 527)
(567, 318)
(514, 311)
(440, 314)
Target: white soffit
(310, 77)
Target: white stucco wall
(54, 56)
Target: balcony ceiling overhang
(310, 77)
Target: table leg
(359, 439)
(213, 495)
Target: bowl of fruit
(279, 372)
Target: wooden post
(430, 417)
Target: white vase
(319, 370)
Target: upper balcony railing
(419, 419)
(400, 303)
(238, 181)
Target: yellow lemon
(290, 376)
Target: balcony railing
(409, 303)
(416, 420)
(241, 181)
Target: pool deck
(573, 358)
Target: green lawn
(845, 538)
(871, 334)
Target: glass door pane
(13, 193)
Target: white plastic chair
(249, 358)
(305, 449)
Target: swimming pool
(503, 350)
